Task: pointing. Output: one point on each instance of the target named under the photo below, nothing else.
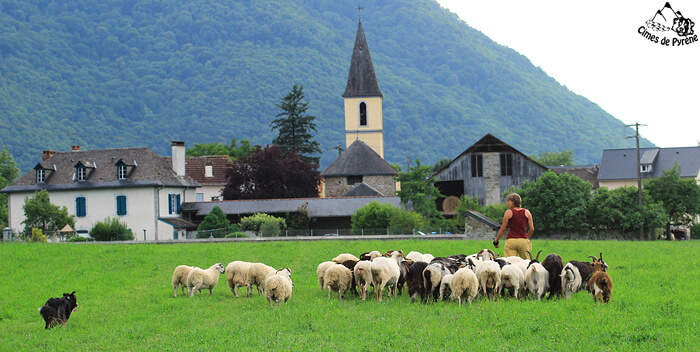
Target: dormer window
(80, 173)
(645, 168)
(208, 171)
(121, 172)
(363, 114)
(40, 176)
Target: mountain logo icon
(667, 19)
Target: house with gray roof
(618, 167)
(135, 185)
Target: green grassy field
(126, 302)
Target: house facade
(486, 170)
(210, 172)
(618, 167)
(135, 185)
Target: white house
(135, 185)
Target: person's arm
(504, 225)
(530, 224)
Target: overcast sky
(594, 48)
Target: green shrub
(236, 235)
(38, 235)
(215, 220)
(373, 217)
(78, 239)
(266, 225)
(406, 220)
(695, 231)
(234, 228)
(111, 230)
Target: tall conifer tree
(295, 127)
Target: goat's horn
(530, 254)
(594, 258)
(538, 256)
(601, 256)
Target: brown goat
(600, 284)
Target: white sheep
(341, 258)
(278, 287)
(419, 257)
(199, 279)
(537, 280)
(321, 270)
(465, 285)
(446, 286)
(180, 277)
(237, 276)
(337, 278)
(385, 273)
(257, 273)
(489, 275)
(363, 277)
(370, 255)
(513, 278)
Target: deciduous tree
(233, 150)
(40, 213)
(269, 173)
(8, 173)
(680, 197)
(418, 189)
(564, 157)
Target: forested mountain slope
(129, 73)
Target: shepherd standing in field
(518, 220)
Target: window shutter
(80, 206)
(121, 205)
(178, 203)
(170, 203)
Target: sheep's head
(220, 268)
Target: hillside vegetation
(128, 73)
(126, 302)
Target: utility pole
(639, 178)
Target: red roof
(195, 167)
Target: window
(80, 173)
(200, 197)
(477, 165)
(208, 171)
(121, 205)
(353, 180)
(175, 233)
(80, 209)
(506, 164)
(173, 204)
(121, 172)
(40, 176)
(363, 114)
(645, 168)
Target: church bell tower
(363, 99)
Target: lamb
(278, 287)
(465, 285)
(445, 286)
(321, 270)
(345, 256)
(512, 278)
(536, 278)
(180, 277)
(574, 277)
(337, 278)
(432, 276)
(554, 266)
(600, 284)
(414, 280)
(237, 276)
(385, 273)
(489, 275)
(257, 273)
(198, 279)
(363, 276)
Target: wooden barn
(486, 170)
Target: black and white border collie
(57, 310)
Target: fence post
(312, 232)
(363, 232)
(387, 231)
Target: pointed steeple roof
(362, 82)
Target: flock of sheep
(462, 277)
(457, 277)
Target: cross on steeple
(359, 9)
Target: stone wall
(492, 178)
(477, 230)
(337, 186)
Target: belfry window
(363, 114)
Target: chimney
(178, 158)
(47, 154)
(75, 148)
